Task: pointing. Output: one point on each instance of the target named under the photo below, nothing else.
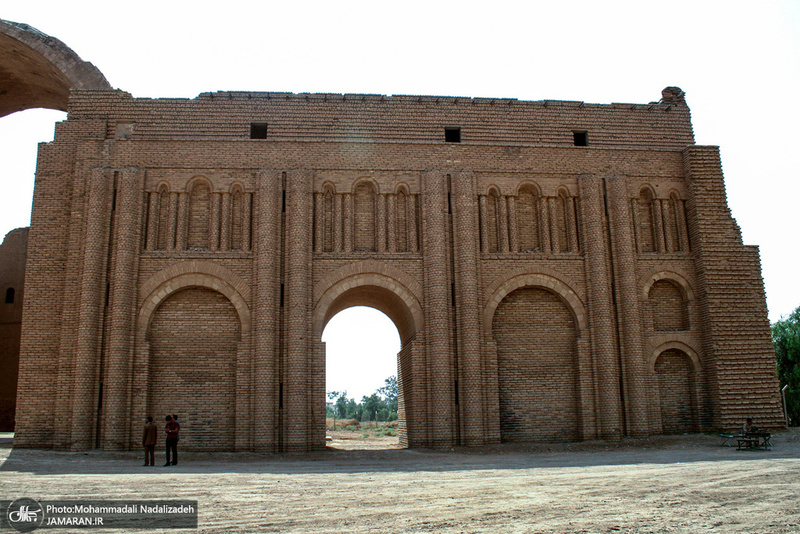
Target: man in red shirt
(171, 430)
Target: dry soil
(676, 484)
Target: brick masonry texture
(13, 252)
(542, 290)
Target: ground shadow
(661, 450)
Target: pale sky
(737, 61)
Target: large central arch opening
(376, 314)
(361, 348)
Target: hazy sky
(738, 62)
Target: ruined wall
(12, 279)
(548, 269)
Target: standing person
(175, 418)
(172, 440)
(149, 440)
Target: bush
(341, 424)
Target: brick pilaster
(92, 305)
(298, 378)
(266, 300)
(628, 313)
(122, 304)
(436, 303)
(466, 253)
(601, 310)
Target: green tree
(786, 338)
(341, 405)
(389, 392)
(353, 410)
(372, 405)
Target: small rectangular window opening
(452, 135)
(580, 138)
(258, 130)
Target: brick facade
(561, 270)
(12, 279)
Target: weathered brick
(542, 290)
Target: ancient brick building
(556, 270)
(12, 279)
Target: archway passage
(401, 307)
(361, 348)
(192, 373)
(38, 71)
(537, 367)
(675, 387)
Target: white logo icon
(24, 514)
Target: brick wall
(537, 367)
(13, 251)
(522, 271)
(192, 368)
(675, 387)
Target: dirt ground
(360, 440)
(669, 484)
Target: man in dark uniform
(149, 440)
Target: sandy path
(681, 484)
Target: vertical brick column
(667, 224)
(172, 225)
(484, 225)
(502, 224)
(152, 220)
(437, 300)
(391, 226)
(380, 222)
(69, 300)
(513, 227)
(298, 378)
(338, 223)
(127, 227)
(739, 356)
(466, 245)
(347, 222)
(636, 227)
(225, 230)
(92, 305)
(683, 232)
(544, 214)
(216, 210)
(319, 222)
(555, 241)
(413, 223)
(266, 300)
(572, 225)
(182, 221)
(628, 313)
(658, 226)
(601, 310)
(247, 223)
